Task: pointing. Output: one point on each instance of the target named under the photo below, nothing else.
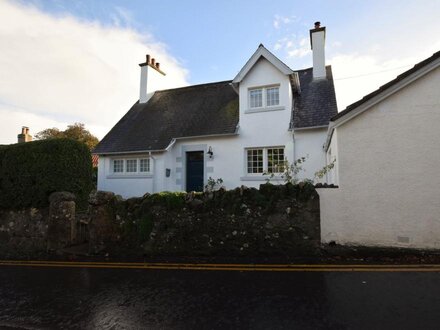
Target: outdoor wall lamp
(210, 153)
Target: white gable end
(262, 52)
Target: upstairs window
(256, 98)
(264, 97)
(272, 96)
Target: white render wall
(129, 185)
(389, 182)
(309, 143)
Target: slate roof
(208, 109)
(382, 88)
(316, 103)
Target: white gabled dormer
(261, 52)
(151, 76)
(264, 86)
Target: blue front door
(194, 170)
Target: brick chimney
(317, 41)
(150, 73)
(24, 136)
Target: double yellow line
(228, 267)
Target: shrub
(30, 172)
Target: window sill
(266, 109)
(260, 178)
(129, 176)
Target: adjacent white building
(175, 139)
(387, 165)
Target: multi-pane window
(265, 160)
(144, 165)
(131, 165)
(264, 97)
(255, 160)
(275, 160)
(118, 166)
(272, 96)
(256, 98)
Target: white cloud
(293, 46)
(13, 119)
(60, 70)
(280, 20)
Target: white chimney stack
(317, 40)
(150, 74)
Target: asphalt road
(101, 298)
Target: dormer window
(272, 96)
(256, 98)
(263, 98)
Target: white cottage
(175, 139)
(387, 165)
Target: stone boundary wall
(270, 221)
(35, 232)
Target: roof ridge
(196, 86)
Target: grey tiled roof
(208, 109)
(316, 103)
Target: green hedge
(30, 172)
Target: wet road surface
(87, 298)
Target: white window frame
(250, 98)
(247, 160)
(125, 173)
(264, 106)
(126, 165)
(112, 164)
(265, 160)
(149, 164)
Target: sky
(66, 61)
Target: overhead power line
(372, 73)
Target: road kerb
(229, 267)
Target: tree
(76, 132)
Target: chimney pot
(317, 25)
(147, 83)
(24, 136)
